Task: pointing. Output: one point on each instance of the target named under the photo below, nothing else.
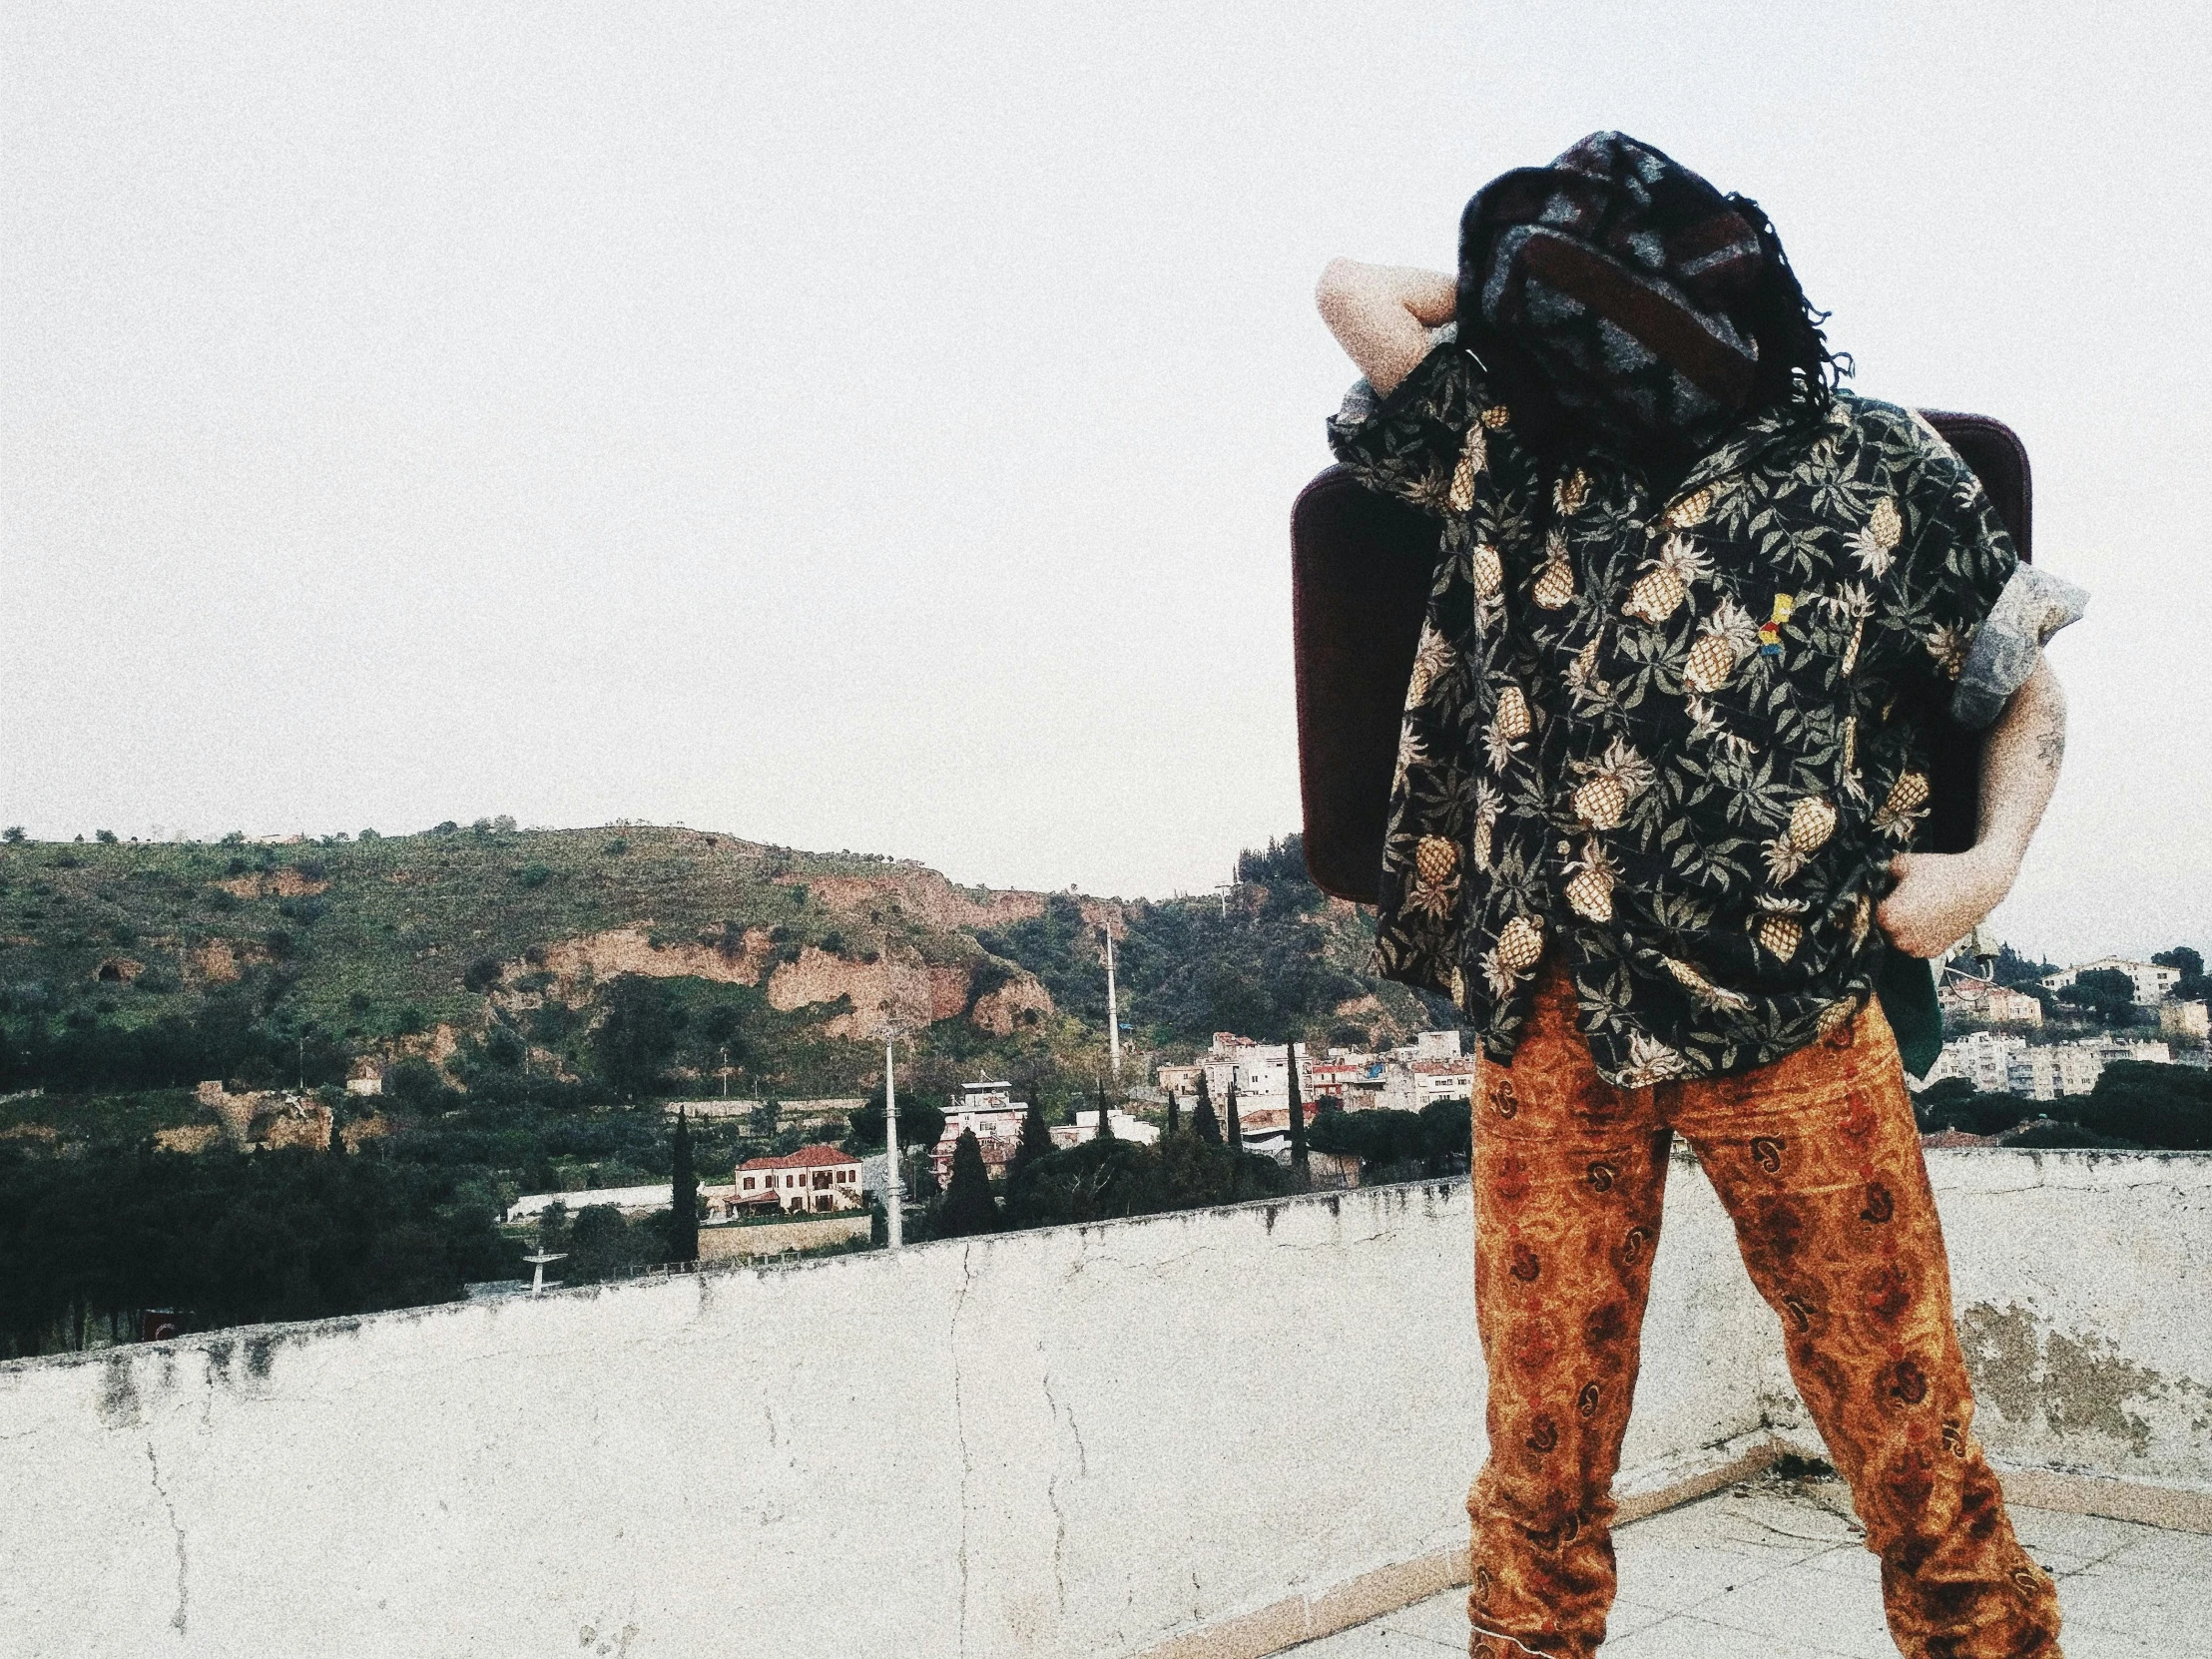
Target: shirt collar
(1736, 449)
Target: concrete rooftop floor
(1775, 1569)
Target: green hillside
(578, 968)
(529, 998)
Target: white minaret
(1113, 1010)
(894, 1189)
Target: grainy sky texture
(873, 426)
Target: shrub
(2057, 1135)
(416, 1082)
(534, 874)
(2167, 1107)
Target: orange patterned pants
(1818, 1161)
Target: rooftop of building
(1776, 1568)
(806, 1157)
(1203, 1434)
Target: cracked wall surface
(1082, 1440)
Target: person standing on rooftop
(1657, 829)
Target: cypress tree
(1037, 1141)
(1204, 1124)
(1175, 1121)
(1105, 1117)
(683, 1227)
(337, 1141)
(968, 1206)
(1235, 1129)
(1298, 1163)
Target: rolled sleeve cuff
(2032, 606)
(1349, 426)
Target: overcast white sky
(875, 427)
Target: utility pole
(1113, 1009)
(726, 1071)
(894, 1189)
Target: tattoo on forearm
(2051, 743)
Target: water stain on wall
(2078, 1385)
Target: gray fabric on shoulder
(2033, 606)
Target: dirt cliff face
(282, 882)
(1018, 1002)
(437, 1045)
(906, 990)
(578, 963)
(923, 894)
(908, 993)
(929, 897)
(260, 1118)
(221, 962)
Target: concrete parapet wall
(1082, 1440)
(2082, 1286)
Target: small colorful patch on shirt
(1770, 631)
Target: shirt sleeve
(1961, 607)
(2032, 606)
(1406, 443)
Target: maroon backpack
(1360, 563)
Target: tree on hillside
(682, 1207)
(1235, 1129)
(1105, 1116)
(1283, 861)
(602, 1245)
(2192, 986)
(1953, 1103)
(1269, 962)
(1299, 1165)
(1100, 1180)
(968, 1207)
(2022, 972)
(2055, 1132)
(1175, 1119)
(1059, 947)
(2106, 995)
(1037, 1141)
(1393, 1145)
(414, 1082)
(636, 1034)
(921, 1125)
(2161, 1106)
(1204, 1124)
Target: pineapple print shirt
(1679, 737)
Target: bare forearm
(2021, 757)
(1939, 896)
(1382, 315)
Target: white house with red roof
(813, 1178)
